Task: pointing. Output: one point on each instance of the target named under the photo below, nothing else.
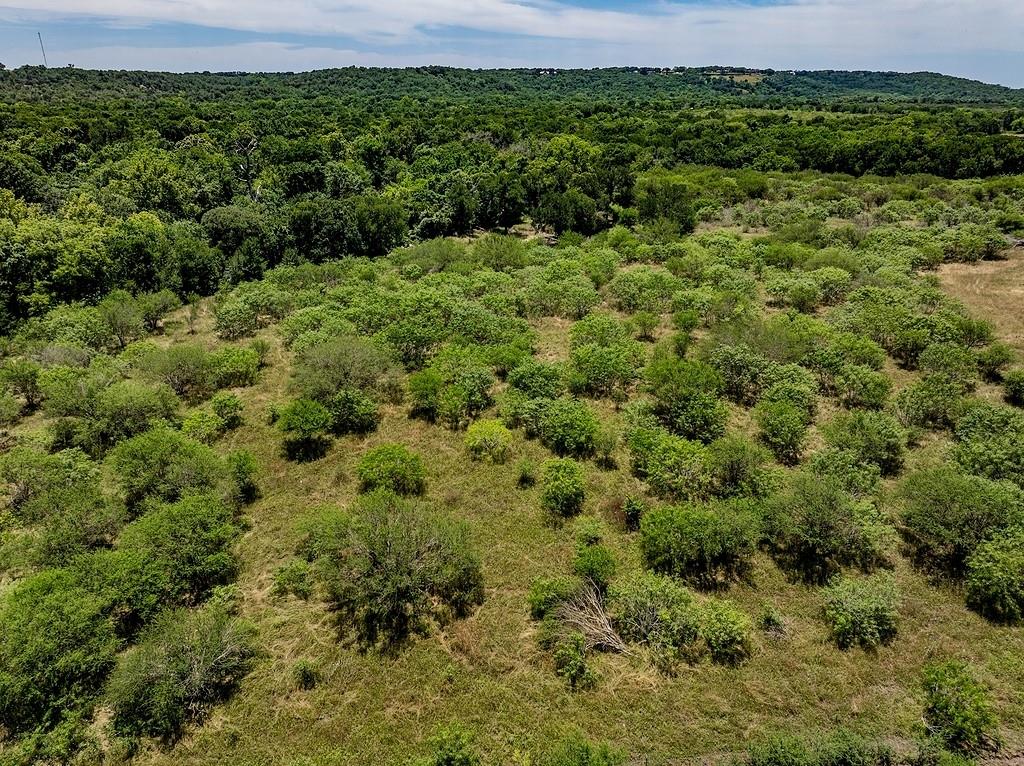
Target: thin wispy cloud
(980, 38)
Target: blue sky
(981, 39)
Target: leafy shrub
(995, 577)
(488, 440)
(953, 362)
(526, 473)
(605, 441)
(306, 425)
(874, 437)
(537, 380)
(352, 412)
(673, 466)
(244, 471)
(686, 397)
(228, 408)
(857, 478)
(862, 611)
(346, 362)
(173, 555)
(451, 746)
(563, 488)
(946, 515)
(594, 562)
(707, 545)
(743, 371)
(390, 569)
(203, 426)
(604, 370)
(957, 708)
(571, 662)
(21, 376)
(1013, 387)
(184, 663)
(993, 360)
(548, 593)
(816, 527)
(633, 510)
(726, 632)
(933, 402)
(394, 468)
(305, 675)
(656, 611)
(164, 465)
(294, 579)
(738, 468)
(233, 367)
(186, 368)
(55, 649)
(10, 409)
(125, 409)
(568, 427)
(860, 386)
(783, 429)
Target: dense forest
(550, 417)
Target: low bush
(862, 611)
(347, 362)
(673, 466)
(294, 579)
(930, 403)
(570, 657)
(391, 569)
(783, 429)
(563, 489)
(993, 360)
(857, 478)
(726, 631)
(958, 710)
(657, 612)
(164, 465)
(874, 437)
(995, 577)
(537, 380)
(526, 473)
(394, 468)
(1013, 387)
(203, 426)
(709, 546)
(244, 470)
(952, 362)
(185, 662)
(568, 427)
(548, 593)
(815, 528)
(634, 508)
(488, 440)
(451, 746)
(604, 370)
(305, 675)
(56, 647)
(228, 407)
(234, 367)
(306, 426)
(594, 562)
(352, 412)
(860, 386)
(738, 468)
(946, 515)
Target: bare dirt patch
(992, 290)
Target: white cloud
(874, 34)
